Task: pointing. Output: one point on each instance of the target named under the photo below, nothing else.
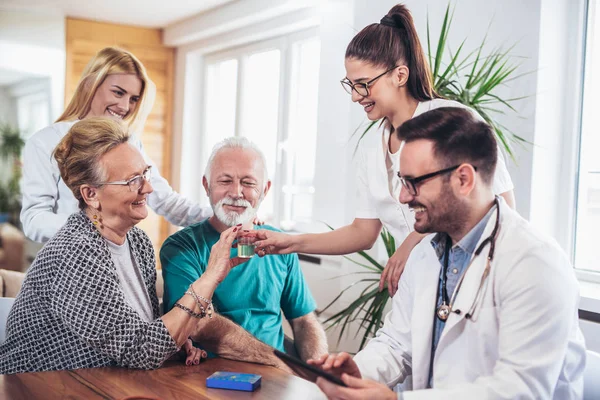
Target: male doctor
(487, 306)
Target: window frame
(584, 275)
(284, 43)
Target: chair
(5, 305)
(12, 248)
(591, 376)
(10, 282)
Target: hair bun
(389, 21)
(62, 150)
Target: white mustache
(236, 202)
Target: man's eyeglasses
(135, 183)
(412, 184)
(362, 88)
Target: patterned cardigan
(71, 311)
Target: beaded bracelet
(199, 315)
(209, 305)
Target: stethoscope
(444, 310)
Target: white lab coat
(48, 202)
(523, 343)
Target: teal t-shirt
(252, 295)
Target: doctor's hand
(395, 265)
(270, 242)
(337, 364)
(358, 389)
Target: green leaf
(369, 126)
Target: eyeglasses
(362, 88)
(135, 183)
(412, 184)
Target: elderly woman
(89, 298)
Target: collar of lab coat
(425, 300)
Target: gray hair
(236, 142)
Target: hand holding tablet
(311, 372)
(337, 364)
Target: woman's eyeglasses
(362, 88)
(135, 183)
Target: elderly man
(487, 307)
(254, 295)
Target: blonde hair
(109, 61)
(78, 153)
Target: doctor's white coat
(523, 342)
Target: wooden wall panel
(84, 40)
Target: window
(588, 187)
(268, 93)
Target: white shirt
(48, 202)
(522, 342)
(379, 187)
(131, 279)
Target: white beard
(233, 218)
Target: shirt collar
(468, 242)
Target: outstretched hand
(271, 242)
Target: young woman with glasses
(114, 85)
(387, 74)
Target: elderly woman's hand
(220, 261)
(193, 355)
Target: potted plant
(471, 79)
(11, 145)
(368, 308)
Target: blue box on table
(233, 381)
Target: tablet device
(306, 371)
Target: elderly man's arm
(309, 337)
(227, 339)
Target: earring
(97, 220)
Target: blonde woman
(114, 84)
(89, 298)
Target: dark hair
(386, 46)
(458, 138)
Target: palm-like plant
(368, 307)
(473, 79)
(11, 142)
(11, 145)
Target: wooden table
(173, 381)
